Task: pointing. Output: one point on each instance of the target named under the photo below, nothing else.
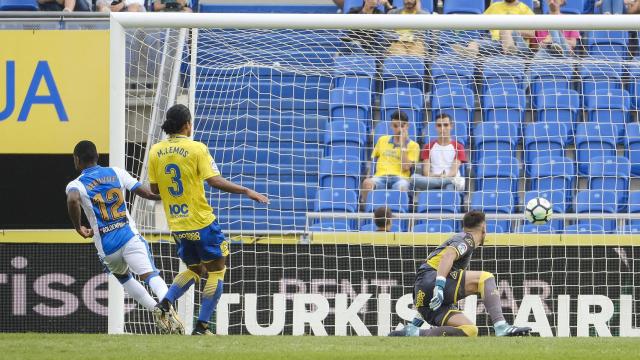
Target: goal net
(296, 114)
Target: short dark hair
(381, 215)
(86, 152)
(177, 116)
(472, 219)
(443, 115)
(400, 115)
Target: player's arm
(449, 255)
(147, 193)
(223, 184)
(75, 213)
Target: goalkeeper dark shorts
(423, 292)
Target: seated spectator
(441, 160)
(370, 41)
(120, 5)
(64, 5)
(396, 155)
(172, 5)
(608, 7)
(633, 6)
(382, 218)
(371, 7)
(509, 42)
(555, 42)
(409, 42)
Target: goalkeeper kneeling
(444, 278)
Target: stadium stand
(19, 5)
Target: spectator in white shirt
(441, 160)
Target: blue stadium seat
(634, 206)
(425, 5)
(18, 5)
(459, 132)
(428, 227)
(504, 103)
(550, 78)
(544, 139)
(584, 229)
(608, 106)
(600, 76)
(447, 71)
(596, 202)
(593, 140)
(450, 37)
(504, 72)
(340, 173)
(463, 7)
(355, 72)
(345, 138)
(384, 128)
(397, 201)
(327, 225)
(632, 147)
(491, 202)
(350, 104)
(536, 229)
(629, 230)
(494, 139)
(611, 173)
(438, 201)
(608, 44)
(634, 82)
(403, 71)
(408, 100)
(570, 7)
(558, 106)
(371, 227)
(553, 173)
(457, 101)
(493, 227)
(498, 174)
(559, 204)
(336, 200)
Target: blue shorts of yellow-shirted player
(206, 244)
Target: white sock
(159, 287)
(139, 293)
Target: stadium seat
(355, 72)
(493, 227)
(340, 173)
(447, 71)
(336, 200)
(492, 202)
(494, 139)
(629, 230)
(597, 202)
(350, 104)
(408, 100)
(634, 206)
(504, 103)
(498, 174)
(570, 7)
(584, 229)
(432, 228)
(459, 132)
(456, 101)
(611, 173)
(544, 139)
(371, 227)
(600, 76)
(608, 106)
(504, 72)
(403, 71)
(608, 44)
(536, 229)
(438, 201)
(327, 225)
(632, 146)
(463, 7)
(593, 140)
(550, 78)
(350, 134)
(553, 173)
(384, 128)
(558, 106)
(397, 201)
(633, 70)
(19, 5)
(559, 204)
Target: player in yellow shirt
(396, 155)
(178, 166)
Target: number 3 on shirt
(174, 171)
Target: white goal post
(190, 25)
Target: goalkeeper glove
(438, 293)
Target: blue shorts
(206, 244)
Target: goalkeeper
(444, 278)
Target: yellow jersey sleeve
(153, 165)
(413, 152)
(376, 148)
(206, 166)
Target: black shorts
(423, 292)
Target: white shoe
(458, 183)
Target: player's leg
(137, 254)
(371, 183)
(484, 284)
(213, 251)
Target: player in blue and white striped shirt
(100, 192)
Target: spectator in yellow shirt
(409, 42)
(396, 155)
(509, 42)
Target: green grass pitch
(125, 347)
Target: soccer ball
(538, 211)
